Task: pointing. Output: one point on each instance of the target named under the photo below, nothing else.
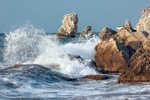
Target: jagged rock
(69, 26)
(129, 26)
(111, 56)
(144, 22)
(87, 32)
(94, 77)
(107, 33)
(139, 69)
(122, 35)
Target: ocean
(35, 65)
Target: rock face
(139, 69)
(69, 26)
(144, 22)
(87, 32)
(111, 56)
(107, 33)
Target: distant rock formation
(111, 56)
(107, 33)
(69, 26)
(144, 22)
(87, 32)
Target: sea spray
(29, 45)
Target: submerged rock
(107, 33)
(75, 57)
(139, 69)
(87, 32)
(69, 26)
(144, 22)
(111, 56)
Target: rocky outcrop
(87, 32)
(107, 33)
(111, 56)
(69, 26)
(139, 69)
(144, 22)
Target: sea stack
(69, 26)
(144, 22)
(87, 32)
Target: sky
(47, 14)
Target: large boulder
(144, 22)
(111, 56)
(139, 69)
(69, 26)
(107, 33)
(87, 32)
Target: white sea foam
(31, 46)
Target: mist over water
(44, 69)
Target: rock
(139, 69)
(144, 22)
(135, 41)
(122, 35)
(87, 32)
(69, 26)
(107, 33)
(94, 77)
(128, 26)
(111, 56)
(75, 57)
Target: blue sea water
(35, 65)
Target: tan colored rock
(144, 22)
(107, 33)
(135, 41)
(139, 69)
(111, 56)
(122, 35)
(128, 26)
(94, 77)
(69, 26)
(87, 32)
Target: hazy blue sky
(47, 14)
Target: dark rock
(87, 32)
(75, 57)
